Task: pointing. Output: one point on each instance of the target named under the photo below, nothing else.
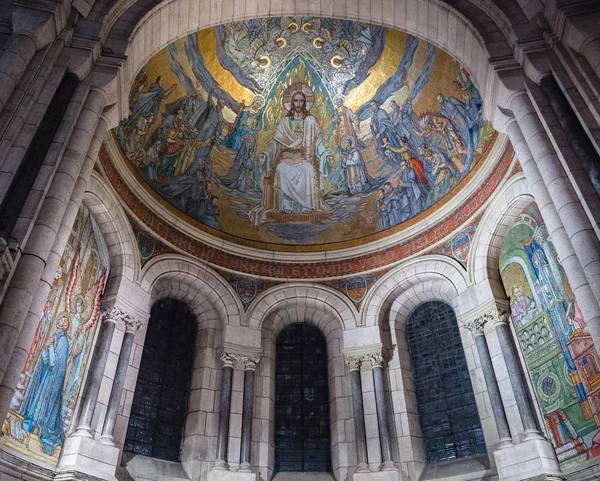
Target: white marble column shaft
(358, 414)
(591, 51)
(377, 362)
(112, 410)
(13, 63)
(583, 238)
(34, 314)
(476, 327)
(110, 317)
(247, 414)
(227, 361)
(24, 283)
(514, 373)
(558, 235)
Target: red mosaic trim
(455, 220)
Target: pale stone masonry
(530, 60)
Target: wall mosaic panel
(561, 359)
(302, 131)
(42, 409)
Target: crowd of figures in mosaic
(43, 406)
(559, 352)
(301, 130)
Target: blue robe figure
(243, 162)
(43, 403)
(149, 102)
(389, 207)
(382, 128)
(413, 192)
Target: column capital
(353, 362)
(476, 325)
(228, 359)
(131, 324)
(497, 317)
(116, 314)
(249, 362)
(374, 354)
(376, 359)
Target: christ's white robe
(299, 161)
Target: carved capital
(115, 315)
(132, 324)
(476, 325)
(353, 363)
(249, 362)
(375, 359)
(497, 316)
(228, 359)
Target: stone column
(476, 327)
(23, 285)
(247, 412)
(228, 361)
(581, 234)
(376, 361)
(110, 317)
(558, 235)
(354, 364)
(500, 321)
(13, 63)
(33, 29)
(591, 51)
(112, 410)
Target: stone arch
(421, 274)
(128, 31)
(214, 304)
(331, 313)
(392, 302)
(207, 294)
(116, 230)
(483, 264)
(314, 298)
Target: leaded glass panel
(302, 439)
(160, 400)
(449, 419)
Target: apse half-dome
(303, 131)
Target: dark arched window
(302, 440)
(449, 419)
(161, 394)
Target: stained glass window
(449, 419)
(302, 439)
(159, 404)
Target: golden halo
(293, 26)
(337, 61)
(307, 27)
(298, 87)
(318, 42)
(339, 96)
(260, 99)
(280, 42)
(264, 61)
